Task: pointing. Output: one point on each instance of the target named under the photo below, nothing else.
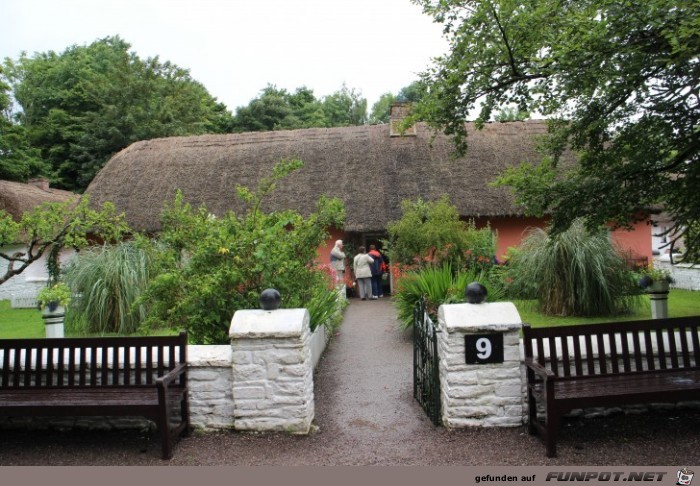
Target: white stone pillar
(658, 295)
(53, 321)
(483, 393)
(272, 370)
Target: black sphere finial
(270, 299)
(475, 293)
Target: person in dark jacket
(377, 268)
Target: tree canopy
(278, 109)
(381, 110)
(83, 105)
(18, 159)
(619, 81)
(52, 226)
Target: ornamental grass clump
(574, 273)
(107, 281)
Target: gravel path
(366, 415)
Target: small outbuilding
(16, 198)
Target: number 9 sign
(483, 348)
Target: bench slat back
(619, 347)
(89, 362)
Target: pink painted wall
(512, 230)
(324, 251)
(638, 241)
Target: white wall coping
(257, 323)
(209, 355)
(473, 318)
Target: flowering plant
(57, 294)
(649, 275)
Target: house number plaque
(483, 348)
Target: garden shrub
(573, 273)
(440, 285)
(209, 267)
(431, 233)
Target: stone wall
(685, 275)
(263, 380)
(25, 284)
(210, 377)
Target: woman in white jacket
(338, 262)
(363, 273)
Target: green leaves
(439, 285)
(18, 159)
(618, 80)
(9, 229)
(430, 233)
(58, 225)
(208, 267)
(278, 109)
(108, 280)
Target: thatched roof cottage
(371, 169)
(16, 197)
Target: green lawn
(27, 323)
(20, 323)
(680, 303)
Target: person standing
(338, 262)
(363, 273)
(377, 268)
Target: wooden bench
(612, 364)
(110, 376)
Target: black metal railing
(426, 377)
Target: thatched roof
(17, 197)
(365, 167)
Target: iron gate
(426, 378)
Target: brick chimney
(40, 182)
(398, 112)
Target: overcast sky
(236, 47)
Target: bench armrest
(538, 369)
(171, 375)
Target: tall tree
(382, 109)
(412, 93)
(278, 109)
(83, 105)
(345, 107)
(510, 113)
(18, 159)
(619, 81)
